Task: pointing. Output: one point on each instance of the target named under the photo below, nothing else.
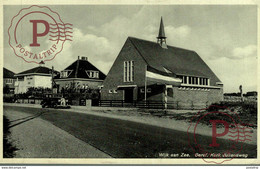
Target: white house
(36, 77)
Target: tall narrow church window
(204, 79)
(196, 80)
(128, 71)
(132, 71)
(185, 79)
(125, 71)
(190, 78)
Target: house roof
(8, 73)
(37, 70)
(78, 70)
(178, 61)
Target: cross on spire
(161, 39)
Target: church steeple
(161, 39)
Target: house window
(64, 74)
(29, 78)
(148, 90)
(128, 71)
(92, 74)
(9, 81)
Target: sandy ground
(131, 114)
(166, 122)
(37, 138)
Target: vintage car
(55, 102)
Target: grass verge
(9, 149)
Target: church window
(128, 71)
(194, 80)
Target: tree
(6, 89)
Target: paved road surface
(38, 138)
(124, 139)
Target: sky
(225, 36)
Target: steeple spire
(161, 39)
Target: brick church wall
(187, 97)
(115, 76)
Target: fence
(80, 102)
(150, 104)
(238, 98)
(29, 100)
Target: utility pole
(52, 70)
(165, 97)
(241, 93)
(145, 85)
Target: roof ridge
(137, 50)
(158, 44)
(37, 69)
(77, 67)
(8, 70)
(94, 66)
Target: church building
(156, 71)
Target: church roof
(78, 70)
(8, 73)
(176, 60)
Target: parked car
(55, 102)
(9, 99)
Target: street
(114, 137)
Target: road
(124, 139)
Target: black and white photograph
(155, 82)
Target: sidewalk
(38, 138)
(135, 115)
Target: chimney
(78, 57)
(42, 63)
(84, 58)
